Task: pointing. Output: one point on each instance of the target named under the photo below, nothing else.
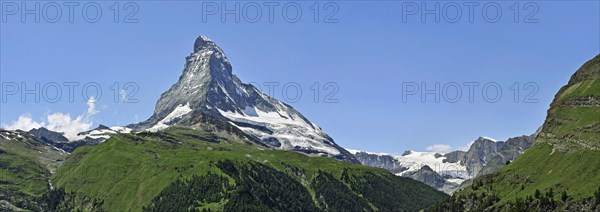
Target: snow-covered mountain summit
(208, 86)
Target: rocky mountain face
(480, 152)
(447, 172)
(429, 177)
(508, 151)
(208, 86)
(486, 156)
(386, 162)
(454, 156)
(43, 133)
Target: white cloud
(91, 106)
(442, 148)
(59, 122)
(24, 122)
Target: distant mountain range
(448, 172)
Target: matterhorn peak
(207, 57)
(203, 42)
(207, 86)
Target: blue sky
(370, 53)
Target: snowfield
(414, 161)
(291, 130)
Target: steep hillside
(26, 164)
(573, 119)
(561, 171)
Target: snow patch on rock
(178, 112)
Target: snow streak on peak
(488, 138)
(178, 112)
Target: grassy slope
(566, 156)
(22, 173)
(25, 168)
(127, 171)
(26, 163)
(542, 167)
(573, 120)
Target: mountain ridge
(449, 171)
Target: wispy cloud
(91, 106)
(442, 148)
(123, 94)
